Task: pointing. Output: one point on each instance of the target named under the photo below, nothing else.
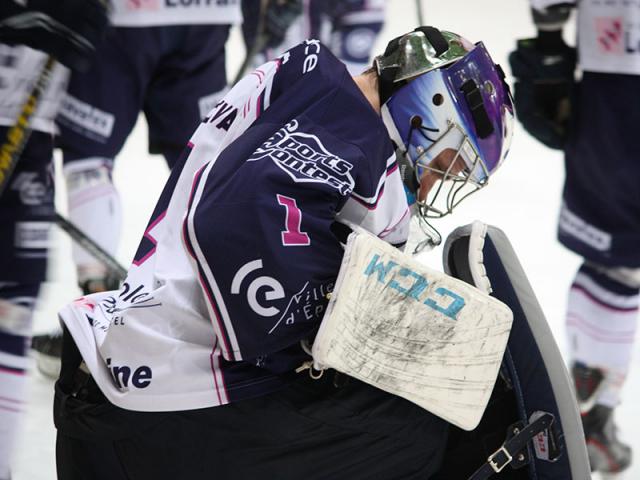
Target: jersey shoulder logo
(305, 159)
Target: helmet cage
(459, 184)
(452, 188)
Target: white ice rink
(523, 200)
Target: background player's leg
(26, 209)
(602, 319)
(99, 112)
(95, 207)
(16, 310)
(600, 220)
(186, 85)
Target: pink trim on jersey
(147, 234)
(9, 409)
(389, 230)
(216, 313)
(12, 400)
(600, 334)
(90, 194)
(12, 371)
(260, 74)
(372, 204)
(190, 144)
(216, 370)
(259, 105)
(601, 303)
(194, 184)
(186, 241)
(203, 282)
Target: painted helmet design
(439, 91)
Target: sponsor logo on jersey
(113, 308)
(265, 295)
(311, 50)
(305, 159)
(308, 304)
(149, 5)
(125, 376)
(31, 189)
(270, 287)
(88, 120)
(572, 225)
(610, 35)
(152, 5)
(616, 31)
(412, 285)
(32, 235)
(199, 3)
(222, 115)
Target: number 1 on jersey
(292, 236)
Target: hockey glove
(68, 30)
(544, 79)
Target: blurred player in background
(195, 363)
(594, 122)
(165, 58)
(348, 27)
(67, 31)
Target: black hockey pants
(332, 428)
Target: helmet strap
(435, 38)
(479, 114)
(387, 85)
(407, 171)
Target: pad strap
(507, 452)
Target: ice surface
(523, 200)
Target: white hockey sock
(15, 325)
(95, 208)
(601, 324)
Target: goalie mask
(442, 93)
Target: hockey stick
(419, 12)
(90, 246)
(19, 133)
(12, 148)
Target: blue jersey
(244, 246)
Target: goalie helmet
(439, 91)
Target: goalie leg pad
(533, 377)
